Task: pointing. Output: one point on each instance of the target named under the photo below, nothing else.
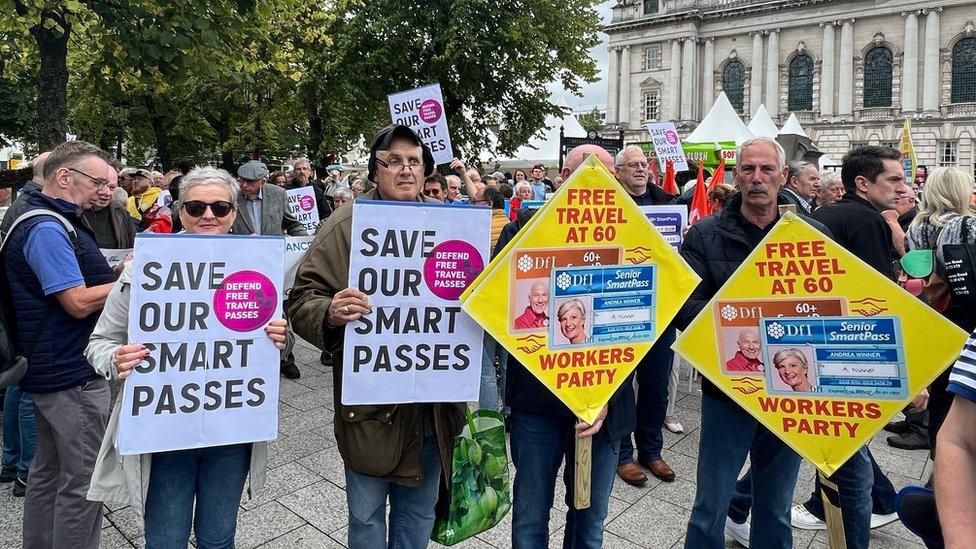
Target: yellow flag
(907, 149)
(816, 345)
(583, 291)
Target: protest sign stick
(581, 478)
(832, 512)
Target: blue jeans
(653, 376)
(539, 445)
(854, 480)
(488, 394)
(19, 431)
(728, 434)
(213, 476)
(411, 509)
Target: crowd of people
(59, 425)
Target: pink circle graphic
(430, 111)
(306, 203)
(671, 137)
(245, 301)
(451, 267)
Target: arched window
(877, 77)
(964, 71)
(733, 83)
(801, 83)
(650, 7)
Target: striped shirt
(962, 379)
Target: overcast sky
(595, 93)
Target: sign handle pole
(835, 521)
(581, 478)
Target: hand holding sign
(347, 305)
(126, 357)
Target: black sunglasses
(197, 208)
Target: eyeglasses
(634, 165)
(432, 192)
(396, 164)
(98, 181)
(197, 208)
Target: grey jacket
(275, 217)
(125, 479)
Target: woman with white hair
(831, 188)
(200, 486)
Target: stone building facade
(851, 70)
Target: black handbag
(960, 274)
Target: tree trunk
(159, 133)
(52, 81)
(221, 126)
(315, 133)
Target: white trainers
(738, 532)
(673, 425)
(878, 521)
(804, 520)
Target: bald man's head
(576, 156)
(38, 166)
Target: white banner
(295, 248)
(423, 110)
(413, 260)
(667, 145)
(211, 377)
(301, 203)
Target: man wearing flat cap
(401, 453)
(263, 210)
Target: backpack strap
(72, 234)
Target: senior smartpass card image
(835, 356)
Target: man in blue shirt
(955, 461)
(58, 284)
(538, 182)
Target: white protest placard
(669, 220)
(211, 377)
(115, 257)
(295, 248)
(423, 110)
(667, 145)
(413, 260)
(301, 203)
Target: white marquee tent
(762, 124)
(721, 123)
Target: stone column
(845, 99)
(930, 95)
(674, 89)
(613, 85)
(623, 115)
(827, 70)
(708, 78)
(688, 77)
(909, 71)
(755, 86)
(772, 73)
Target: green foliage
(592, 121)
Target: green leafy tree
(592, 121)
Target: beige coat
(125, 479)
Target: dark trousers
(653, 375)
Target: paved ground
(303, 505)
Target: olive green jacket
(383, 440)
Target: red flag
(670, 186)
(719, 176)
(655, 172)
(699, 202)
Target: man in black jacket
(544, 432)
(715, 247)
(654, 369)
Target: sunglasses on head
(197, 208)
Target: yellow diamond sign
(816, 345)
(583, 291)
